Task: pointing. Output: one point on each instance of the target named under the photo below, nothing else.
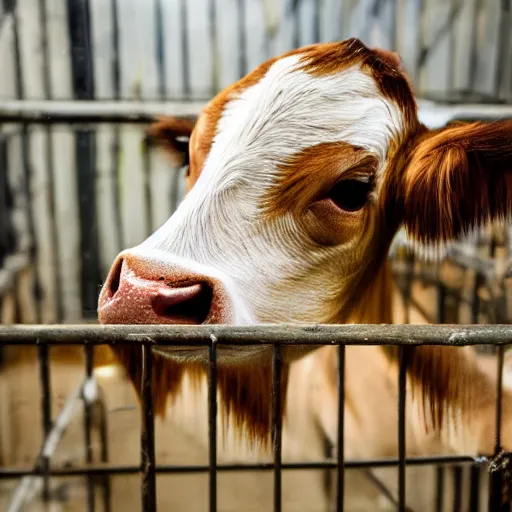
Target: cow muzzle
(153, 288)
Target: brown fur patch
(447, 379)
(331, 58)
(245, 391)
(309, 174)
(451, 181)
(319, 59)
(458, 178)
(376, 306)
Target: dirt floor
(21, 436)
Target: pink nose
(137, 292)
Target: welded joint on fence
(500, 467)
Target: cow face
(300, 175)
(284, 211)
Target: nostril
(186, 305)
(115, 279)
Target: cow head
(299, 176)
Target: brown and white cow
(300, 175)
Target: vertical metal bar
(440, 319)
(276, 425)
(79, 24)
(88, 428)
(499, 397)
(496, 478)
(393, 33)
(116, 143)
(474, 492)
(420, 43)
(316, 22)
(502, 45)
(106, 489)
(345, 15)
(146, 155)
(473, 58)
(7, 235)
(457, 489)
(160, 50)
(44, 48)
(451, 43)
(147, 435)
(340, 480)
(295, 12)
(115, 67)
(46, 404)
(439, 488)
(49, 156)
(508, 59)
(25, 145)
(212, 423)
(213, 42)
(184, 40)
(242, 42)
(401, 428)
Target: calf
(300, 175)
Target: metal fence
(24, 115)
(147, 337)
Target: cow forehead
(336, 92)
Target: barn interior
(81, 81)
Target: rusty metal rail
(280, 334)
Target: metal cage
(146, 337)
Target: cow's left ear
(172, 134)
(457, 179)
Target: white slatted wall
(206, 45)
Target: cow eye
(350, 195)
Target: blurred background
(72, 195)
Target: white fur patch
(279, 274)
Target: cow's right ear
(172, 134)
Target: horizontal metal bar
(433, 114)
(6, 473)
(97, 111)
(285, 334)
